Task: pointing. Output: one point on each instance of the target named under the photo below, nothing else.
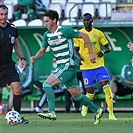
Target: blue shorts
(95, 75)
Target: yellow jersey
(97, 38)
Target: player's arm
(38, 55)
(18, 49)
(78, 55)
(106, 49)
(89, 45)
(19, 53)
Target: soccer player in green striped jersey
(60, 40)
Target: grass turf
(70, 123)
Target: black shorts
(123, 90)
(8, 74)
(2, 83)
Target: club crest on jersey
(12, 39)
(59, 37)
(95, 36)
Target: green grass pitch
(70, 123)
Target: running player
(60, 40)
(97, 71)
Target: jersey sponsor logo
(56, 41)
(105, 76)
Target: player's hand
(32, 59)
(130, 46)
(100, 54)
(80, 61)
(92, 58)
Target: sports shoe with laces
(48, 115)
(98, 115)
(112, 117)
(84, 110)
(23, 121)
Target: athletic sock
(90, 96)
(84, 100)
(17, 102)
(50, 96)
(108, 97)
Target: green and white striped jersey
(62, 45)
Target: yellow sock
(90, 96)
(108, 97)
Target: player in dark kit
(8, 73)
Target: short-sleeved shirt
(8, 35)
(62, 45)
(8, 73)
(97, 38)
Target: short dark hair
(52, 14)
(87, 14)
(3, 6)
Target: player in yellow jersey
(93, 72)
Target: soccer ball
(12, 118)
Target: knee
(90, 90)
(74, 92)
(17, 91)
(104, 83)
(46, 85)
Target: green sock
(50, 96)
(84, 100)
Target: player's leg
(72, 84)
(88, 83)
(12, 79)
(84, 100)
(109, 101)
(17, 100)
(2, 84)
(47, 85)
(103, 77)
(10, 100)
(51, 101)
(17, 96)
